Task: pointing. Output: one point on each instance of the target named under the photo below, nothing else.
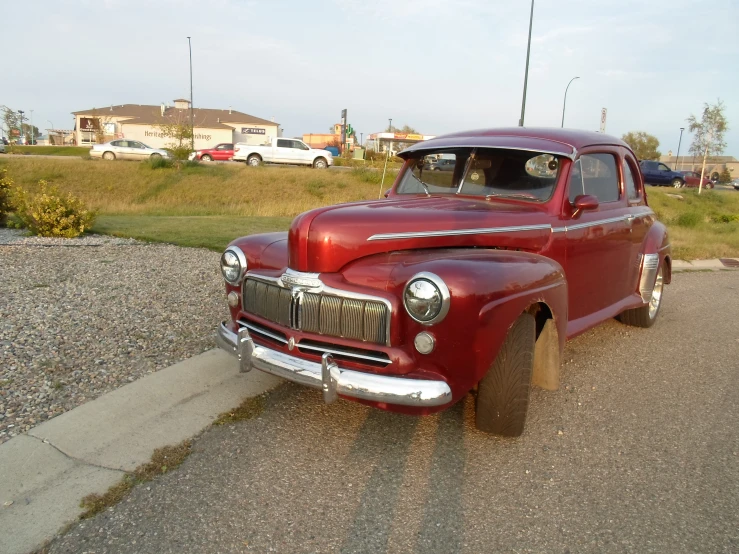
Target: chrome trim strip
(329, 377)
(577, 226)
(649, 266)
(339, 352)
(461, 232)
(261, 331)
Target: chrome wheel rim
(253, 162)
(656, 299)
(677, 185)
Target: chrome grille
(324, 314)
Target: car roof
(564, 142)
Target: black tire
(677, 183)
(503, 394)
(320, 163)
(156, 156)
(108, 156)
(645, 316)
(254, 160)
(206, 158)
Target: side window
(575, 186)
(116, 143)
(284, 143)
(630, 183)
(228, 146)
(663, 167)
(600, 177)
(299, 145)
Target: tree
(708, 134)
(179, 131)
(643, 144)
(11, 120)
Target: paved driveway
(637, 452)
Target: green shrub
(367, 175)
(6, 193)
(159, 162)
(724, 218)
(49, 214)
(180, 152)
(688, 219)
(725, 176)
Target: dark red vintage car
(468, 280)
(220, 152)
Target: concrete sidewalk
(45, 474)
(703, 265)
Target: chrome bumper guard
(329, 377)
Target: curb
(714, 264)
(47, 472)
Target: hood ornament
(296, 280)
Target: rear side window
(284, 143)
(632, 191)
(600, 177)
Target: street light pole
(526, 74)
(678, 146)
(32, 133)
(192, 118)
(564, 104)
(390, 125)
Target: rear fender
(656, 252)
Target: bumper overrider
(329, 377)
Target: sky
(437, 65)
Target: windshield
(487, 172)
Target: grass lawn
(212, 232)
(50, 150)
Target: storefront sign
(90, 124)
(253, 131)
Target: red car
(459, 281)
(222, 152)
(692, 178)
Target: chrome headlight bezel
(442, 291)
(241, 261)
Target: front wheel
(645, 316)
(320, 163)
(206, 158)
(503, 394)
(109, 156)
(677, 183)
(253, 160)
(156, 157)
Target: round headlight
(426, 298)
(233, 265)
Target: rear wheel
(677, 183)
(109, 156)
(253, 160)
(156, 156)
(645, 316)
(503, 394)
(320, 163)
(206, 158)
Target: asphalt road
(637, 452)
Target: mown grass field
(211, 204)
(78, 151)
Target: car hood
(326, 239)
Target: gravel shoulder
(81, 317)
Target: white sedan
(124, 149)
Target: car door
(301, 153)
(598, 242)
(283, 151)
(226, 151)
(665, 174)
(137, 150)
(124, 150)
(640, 216)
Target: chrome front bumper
(329, 377)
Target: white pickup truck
(282, 151)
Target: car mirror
(387, 192)
(584, 202)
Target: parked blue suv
(657, 173)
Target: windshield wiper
(525, 196)
(425, 188)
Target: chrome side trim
(577, 226)
(330, 378)
(649, 267)
(460, 232)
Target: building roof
(141, 114)
(689, 158)
(544, 139)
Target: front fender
(489, 289)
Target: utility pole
(679, 142)
(33, 141)
(192, 117)
(526, 74)
(564, 105)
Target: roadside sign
(603, 113)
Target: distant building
(321, 140)
(143, 123)
(715, 165)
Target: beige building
(144, 123)
(715, 165)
